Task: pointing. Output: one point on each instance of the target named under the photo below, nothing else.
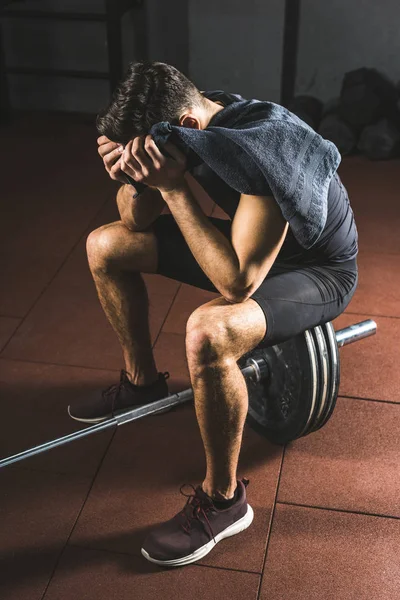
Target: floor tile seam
(265, 559)
(55, 364)
(378, 401)
(139, 555)
(77, 517)
(371, 315)
(231, 569)
(8, 340)
(160, 331)
(376, 251)
(369, 253)
(19, 467)
(340, 510)
(57, 271)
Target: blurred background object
(365, 117)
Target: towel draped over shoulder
(258, 147)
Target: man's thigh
(293, 297)
(296, 298)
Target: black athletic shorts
(293, 297)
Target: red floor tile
(138, 487)
(7, 327)
(89, 574)
(45, 211)
(370, 367)
(170, 355)
(34, 405)
(373, 193)
(378, 291)
(186, 301)
(378, 233)
(68, 325)
(351, 464)
(37, 513)
(371, 184)
(316, 554)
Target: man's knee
(102, 244)
(205, 338)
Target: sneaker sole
(117, 412)
(233, 529)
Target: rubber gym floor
(72, 520)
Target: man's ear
(190, 122)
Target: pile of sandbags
(365, 118)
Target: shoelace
(123, 383)
(198, 506)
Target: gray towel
(258, 147)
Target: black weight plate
(334, 365)
(324, 379)
(281, 405)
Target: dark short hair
(150, 92)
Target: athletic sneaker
(118, 398)
(194, 531)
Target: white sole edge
(233, 529)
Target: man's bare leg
(117, 257)
(218, 334)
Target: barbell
(292, 388)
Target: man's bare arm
(138, 213)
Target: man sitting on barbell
(271, 287)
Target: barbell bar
(255, 369)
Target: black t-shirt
(338, 241)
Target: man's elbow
(133, 227)
(130, 223)
(238, 295)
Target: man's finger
(107, 148)
(103, 139)
(153, 151)
(111, 157)
(116, 166)
(139, 153)
(128, 157)
(115, 170)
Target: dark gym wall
(227, 44)
(237, 46)
(343, 35)
(51, 44)
(168, 32)
(82, 45)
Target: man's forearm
(138, 213)
(212, 250)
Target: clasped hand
(142, 160)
